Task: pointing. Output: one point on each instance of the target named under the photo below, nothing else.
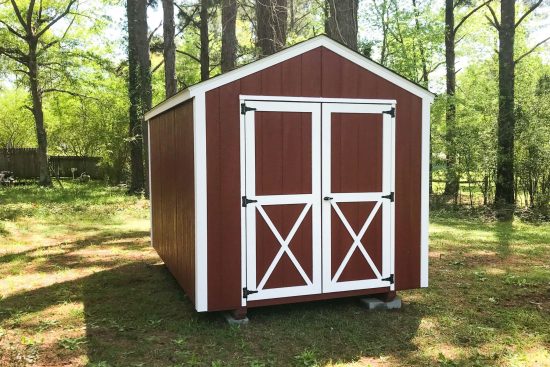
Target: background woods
(76, 78)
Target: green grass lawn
(81, 285)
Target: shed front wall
(171, 152)
(317, 73)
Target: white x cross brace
(284, 245)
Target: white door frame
(330, 283)
(311, 201)
(321, 281)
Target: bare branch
(153, 32)
(460, 39)
(494, 22)
(57, 18)
(434, 68)
(22, 71)
(531, 50)
(472, 12)
(14, 54)
(12, 30)
(29, 13)
(533, 7)
(19, 17)
(189, 55)
(158, 66)
(74, 94)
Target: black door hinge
(245, 201)
(390, 112)
(388, 279)
(247, 292)
(245, 109)
(390, 196)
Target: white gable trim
(288, 53)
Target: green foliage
(16, 121)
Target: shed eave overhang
(285, 54)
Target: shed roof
(285, 54)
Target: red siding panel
(173, 193)
(317, 73)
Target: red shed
(301, 176)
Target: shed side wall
(317, 73)
(172, 192)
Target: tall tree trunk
(272, 21)
(504, 194)
(205, 42)
(452, 179)
(169, 48)
(139, 85)
(41, 137)
(229, 36)
(342, 21)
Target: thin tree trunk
(425, 74)
(205, 45)
(451, 184)
(139, 85)
(229, 37)
(342, 22)
(41, 136)
(504, 194)
(272, 21)
(169, 49)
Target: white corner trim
(288, 53)
(201, 255)
(425, 194)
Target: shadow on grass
(68, 248)
(136, 313)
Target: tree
(229, 37)
(341, 23)
(169, 48)
(205, 41)
(451, 30)
(271, 17)
(139, 87)
(28, 43)
(506, 27)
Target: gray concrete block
(233, 321)
(372, 303)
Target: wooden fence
(23, 162)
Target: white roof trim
(290, 52)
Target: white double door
(317, 197)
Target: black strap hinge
(388, 279)
(246, 201)
(247, 292)
(390, 112)
(390, 196)
(245, 109)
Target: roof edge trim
(285, 54)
